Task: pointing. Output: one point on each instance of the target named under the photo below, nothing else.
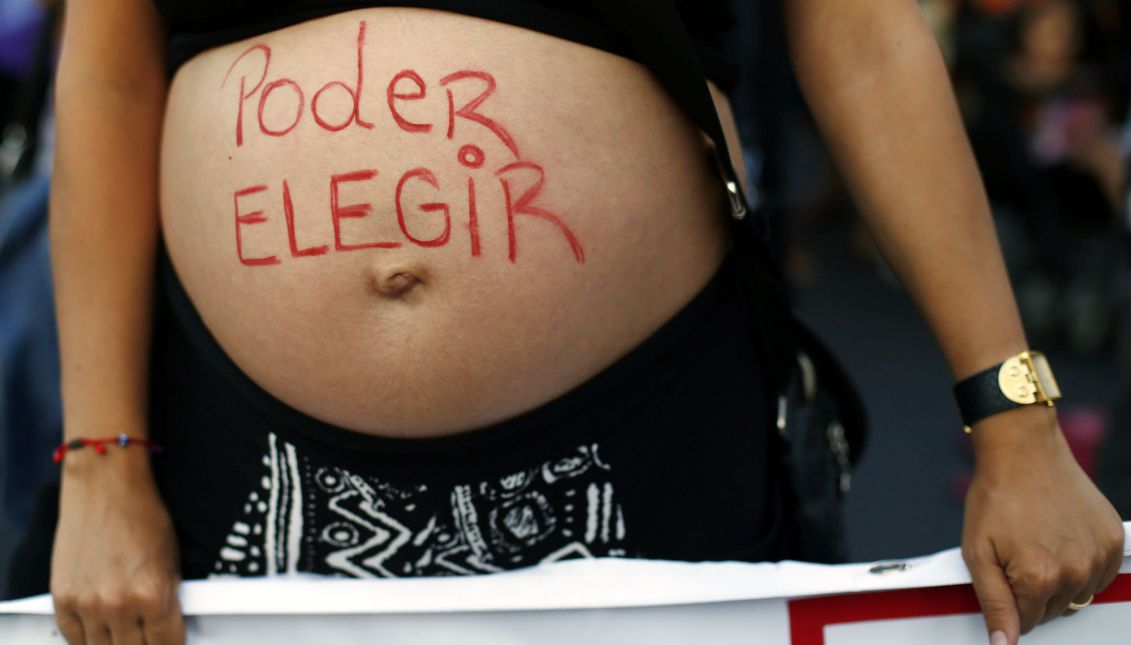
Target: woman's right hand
(114, 569)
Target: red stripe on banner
(808, 617)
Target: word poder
(519, 179)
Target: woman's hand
(1038, 534)
(114, 571)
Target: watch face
(1017, 380)
(1027, 378)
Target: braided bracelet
(122, 440)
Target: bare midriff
(413, 223)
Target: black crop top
(196, 25)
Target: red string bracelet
(122, 440)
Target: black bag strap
(655, 32)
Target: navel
(395, 283)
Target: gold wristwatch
(1024, 379)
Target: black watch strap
(1024, 379)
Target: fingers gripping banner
(927, 601)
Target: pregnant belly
(415, 223)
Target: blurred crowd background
(1044, 87)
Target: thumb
(999, 607)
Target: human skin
(1037, 533)
(542, 271)
(114, 566)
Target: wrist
(1022, 380)
(129, 463)
(1009, 434)
(100, 444)
(107, 422)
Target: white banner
(926, 601)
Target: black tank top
(196, 25)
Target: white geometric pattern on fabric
(314, 517)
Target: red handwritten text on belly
(524, 205)
(271, 87)
(243, 219)
(424, 211)
(339, 212)
(354, 93)
(424, 175)
(289, 211)
(468, 110)
(244, 96)
(391, 96)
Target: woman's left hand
(1038, 535)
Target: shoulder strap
(656, 34)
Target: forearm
(1037, 535)
(103, 226)
(878, 88)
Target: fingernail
(999, 638)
